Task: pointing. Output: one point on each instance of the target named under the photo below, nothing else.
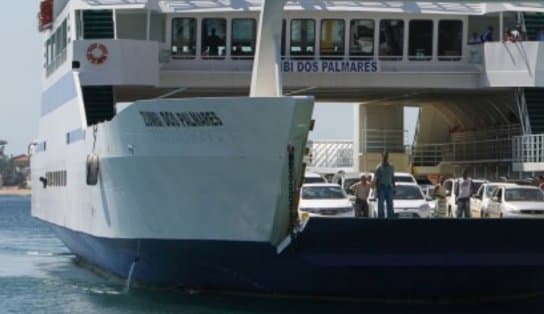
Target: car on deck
(324, 200)
(479, 202)
(312, 177)
(517, 202)
(408, 202)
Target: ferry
(172, 139)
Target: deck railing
(331, 153)
(528, 148)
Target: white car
(479, 202)
(312, 177)
(452, 191)
(517, 202)
(324, 200)
(408, 202)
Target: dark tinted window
(450, 40)
(322, 192)
(391, 39)
(420, 45)
(407, 192)
(314, 180)
(244, 36)
(361, 38)
(302, 37)
(184, 37)
(523, 195)
(214, 34)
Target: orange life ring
(97, 53)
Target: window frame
(202, 38)
(302, 54)
(461, 41)
(340, 54)
(392, 57)
(362, 55)
(254, 41)
(184, 56)
(424, 57)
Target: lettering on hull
(361, 66)
(180, 119)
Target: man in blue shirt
(384, 181)
(487, 35)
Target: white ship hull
(223, 177)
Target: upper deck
(334, 50)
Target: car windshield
(490, 190)
(524, 195)
(348, 183)
(404, 179)
(406, 192)
(322, 192)
(314, 180)
(477, 185)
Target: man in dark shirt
(213, 42)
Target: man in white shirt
(463, 199)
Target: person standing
(441, 202)
(384, 181)
(361, 190)
(463, 200)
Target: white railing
(528, 148)
(493, 150)
(380, 140)
(331, 153)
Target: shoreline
(14, 192)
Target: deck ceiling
(415, 7)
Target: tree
(2, 147)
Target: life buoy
(97, 53)
(93, 168)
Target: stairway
(98, 24)
(98, 103)
(534, 98)
(534, 23)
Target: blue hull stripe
(332, 259)
(59, 93)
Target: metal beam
(266, 80)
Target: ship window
(244, 35)
(332, 37)
(184, 37)
(302, 37)
(214, 37)
(420, 45)
(391, 39)
(361, 38)
(450, 40)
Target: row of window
(361, 38)
(56, 178)
(55, 46)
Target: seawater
(39, 275)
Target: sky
(20, 74)
(21, 62)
